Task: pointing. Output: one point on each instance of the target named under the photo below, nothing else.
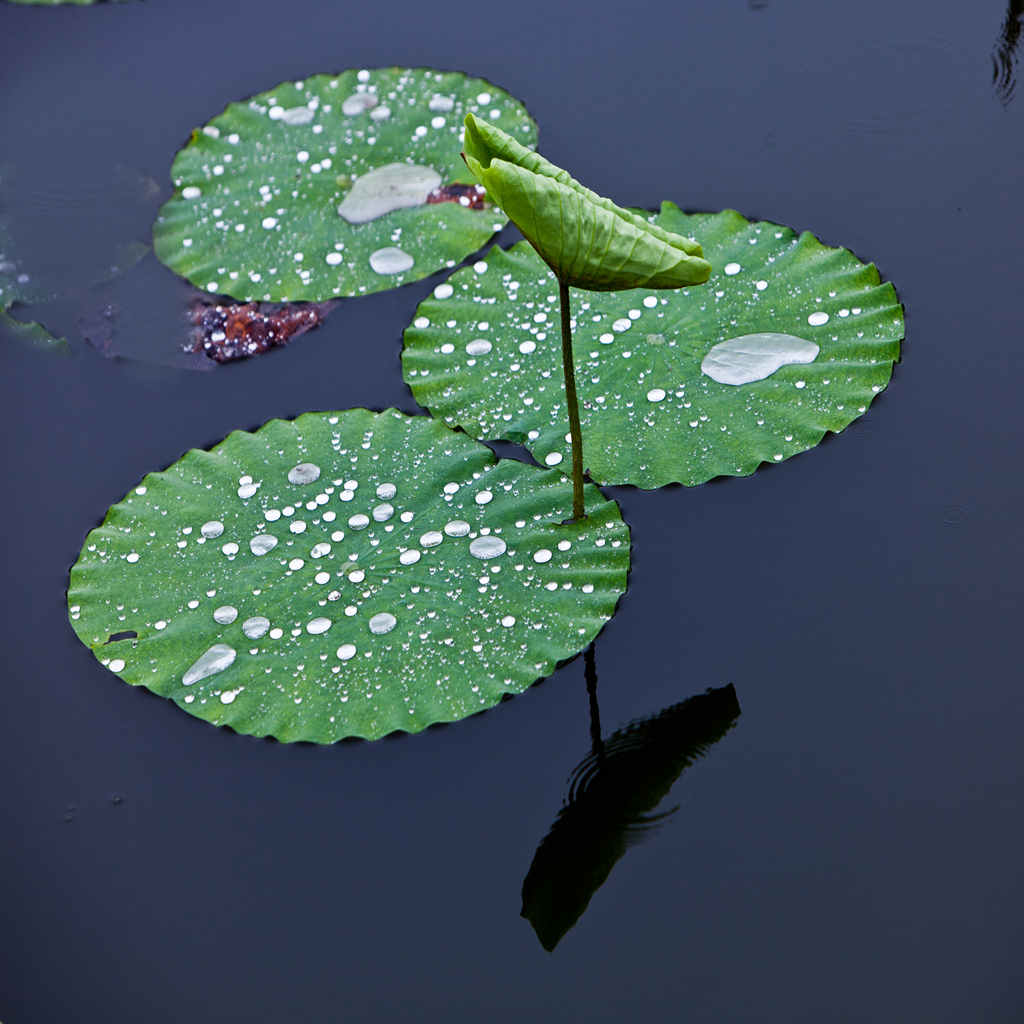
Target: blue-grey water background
(850, 852)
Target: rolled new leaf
(585, 239)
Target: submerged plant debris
(612, 796)
(345, 574)
(789, 339)
(226, 331)
(336, 185)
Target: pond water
(849, 850)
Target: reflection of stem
(575, 433)
(590, 675)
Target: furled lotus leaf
(587, 240)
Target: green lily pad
(345, 574)
(255, 213)
(484, 353)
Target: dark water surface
(849, 850)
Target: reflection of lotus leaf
(612, 794)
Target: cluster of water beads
(338, 131)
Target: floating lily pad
(653, 369)
(255, 213)
(345, 574)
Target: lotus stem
(572, 402)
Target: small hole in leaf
(127, 634)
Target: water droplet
(656, 395)
(650, 301)
(359, 103)
(211, 529)
(410, 557)
(385, 189)
(230, 549)
(303, 473)
(553, 458)
(441, 104)
(542, 556)
(443, 291)
(256, 627)
(216, 659)
(248, 490)
(228, 696)
(487, 547)
(753, 357)
(383, 512)
(359, 521)
(191, 192)
(731, 269)
(508, 621)
(117, 665)
(318, 626)
(526, 347)
(478, 347)
(386, 491)
(390, 260)
(483, 497)
(297, 115)
(818, 319)
(383, 622)
(347, 651)
(431, 538)
(262, 543)
(321, 550)
(225, 614)
(457, 528)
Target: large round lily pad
(345, 574)
(255, 213)
(788, 340)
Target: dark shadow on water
(613, 794)
(1004, 56)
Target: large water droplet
(431, 538)
(487, 547)
(386, 491)
(256, 627)
(216, 659)
(383, 512)
(318, 626)
(225, 614)
(390, 260)
(303, 473)
(478, 347)
(457, 528)
(359, 521)
(410, 557)
(754, 357)
(382, 622)
(262, 543)
(384, 189)
(211, 529)
(347, 651)
(358, 103)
